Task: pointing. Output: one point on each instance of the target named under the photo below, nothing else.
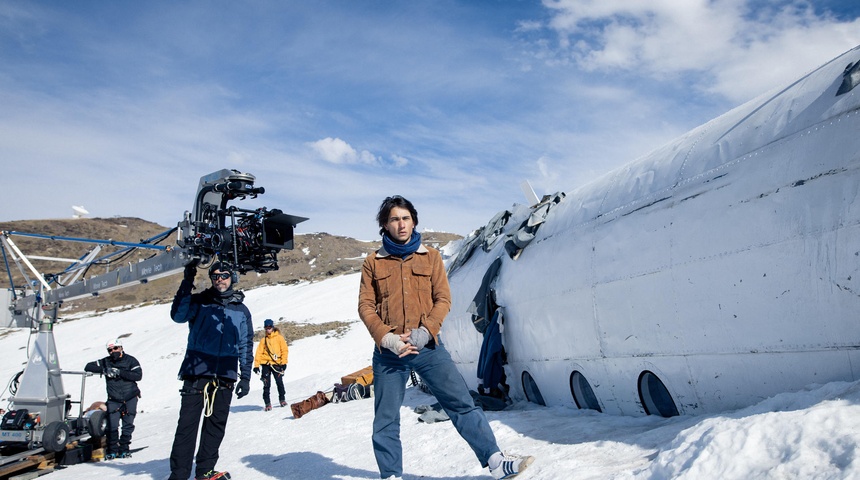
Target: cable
(12, 386)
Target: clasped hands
(409, 343)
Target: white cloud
(547, 173)
(236, 158)
(738, 51)
(337, 151)
(368, 158)
(399, 161)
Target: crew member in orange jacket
(272, 356)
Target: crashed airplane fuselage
(715, 272)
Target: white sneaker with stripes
(508, 466)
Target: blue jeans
(434, 365)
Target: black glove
(191, 270)
(257, 370)
(243, 388)
(112, 372)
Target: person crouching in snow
(403, 299)
(272, 356)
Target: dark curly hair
(388, 204)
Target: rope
(209, 399)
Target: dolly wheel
(55, 437)
(97, 424)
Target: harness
(122, 408)
(208, 387)
(276, 368)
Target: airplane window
(531, 390)
(582, 393)
(655, 397)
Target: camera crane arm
(8, 243)
(250, 242)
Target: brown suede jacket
(398, 295)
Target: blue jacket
(491, 360)
(220, 333)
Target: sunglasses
(114, 349)
(269, 328)
(222, 276)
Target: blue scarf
(401, 250)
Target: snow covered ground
(810, 434)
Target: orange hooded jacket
(272, 350)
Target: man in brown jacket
(403, 299)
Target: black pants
(266, 374)
(212, 433)
(117, 412)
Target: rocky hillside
(315, 257)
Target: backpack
(312, 403)
(353, 391)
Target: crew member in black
(121, 372)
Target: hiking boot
(110, 456)
(267, 408)
(283, 403)
(124, 455)
(508, 466)
(213, 475)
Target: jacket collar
(383, 253)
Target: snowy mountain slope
(810, 434)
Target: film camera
(247, 240)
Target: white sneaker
(393, 478)
(508, 466)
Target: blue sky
(122, 106)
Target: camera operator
(220, 337)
